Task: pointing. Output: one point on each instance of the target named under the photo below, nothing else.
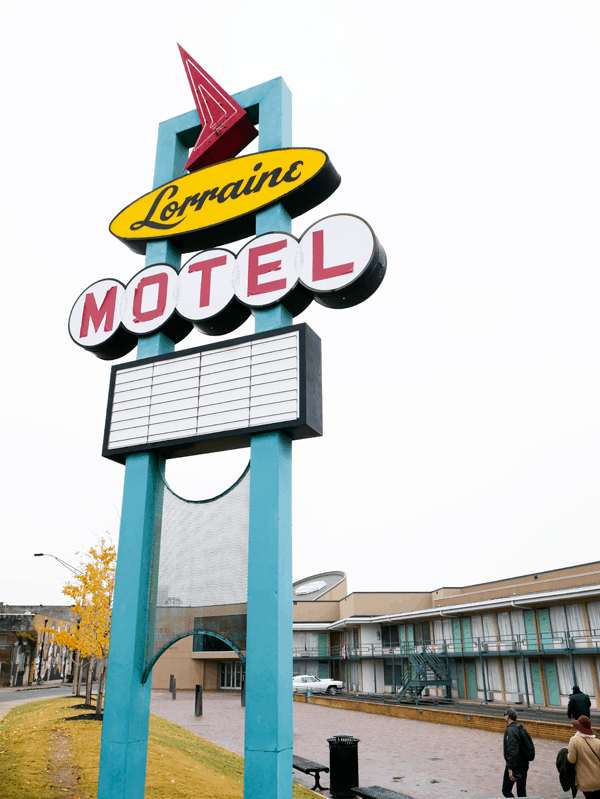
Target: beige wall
(337, 592)
(569, 577)
(317, 611)
(375, 604)
(189, 668)
(211, 675)
(177, 660)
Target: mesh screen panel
(203, 566)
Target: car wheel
(333, 690)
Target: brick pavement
(421, 760)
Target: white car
(306, 682)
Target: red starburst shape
(226, 127)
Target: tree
(91, 590)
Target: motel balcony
(582, 642)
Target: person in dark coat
(516, 764)
(579, 704)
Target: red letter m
(95, 315)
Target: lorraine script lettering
(165, 208)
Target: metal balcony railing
(541, 643)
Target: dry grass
(38, 741)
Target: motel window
(558, 620)
(575, 620)
(593, 609)
(392, 673)
(422, 633)
(389, 635)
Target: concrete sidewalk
(423, 761)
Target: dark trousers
(507, 784)
(591, 794)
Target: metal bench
(310, 767)
(377, 792)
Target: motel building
(521, 640)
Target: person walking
(584, 753)
(579, 704)
(517, 763)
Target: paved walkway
(421, 760)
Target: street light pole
(62, 562)
(73, 570)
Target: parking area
(421, 760)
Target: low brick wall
(537, 729)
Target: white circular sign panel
(336, 252)
(96, 315)
(206, 284)
(150, 299)
(267, 269)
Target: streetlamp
(62, 562)
(73, 570)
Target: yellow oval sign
(218, 204)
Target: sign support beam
(269, 715)
(268, 746)
(124, 748)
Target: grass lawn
(45, 753)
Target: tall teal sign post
(269, 730)
(261, 391)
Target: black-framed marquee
(146, 396)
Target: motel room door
(471, 679)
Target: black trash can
(343, 765)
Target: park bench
(377, 792)
(310, 767)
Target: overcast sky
(461, 401)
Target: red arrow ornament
(226, 128)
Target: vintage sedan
(306, 682)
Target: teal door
(530, 631)
(471, 679)
(466, 631)
(323, 646)
(545, 631)
(402, 637)
(323, 669)
(551, 681)
(456, 635)
(536, 682)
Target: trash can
(343, 765)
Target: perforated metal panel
(203, 566)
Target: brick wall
(537, 729)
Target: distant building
(27, 655)
(528, 638)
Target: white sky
(462, 401)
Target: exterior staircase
(423, 670)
